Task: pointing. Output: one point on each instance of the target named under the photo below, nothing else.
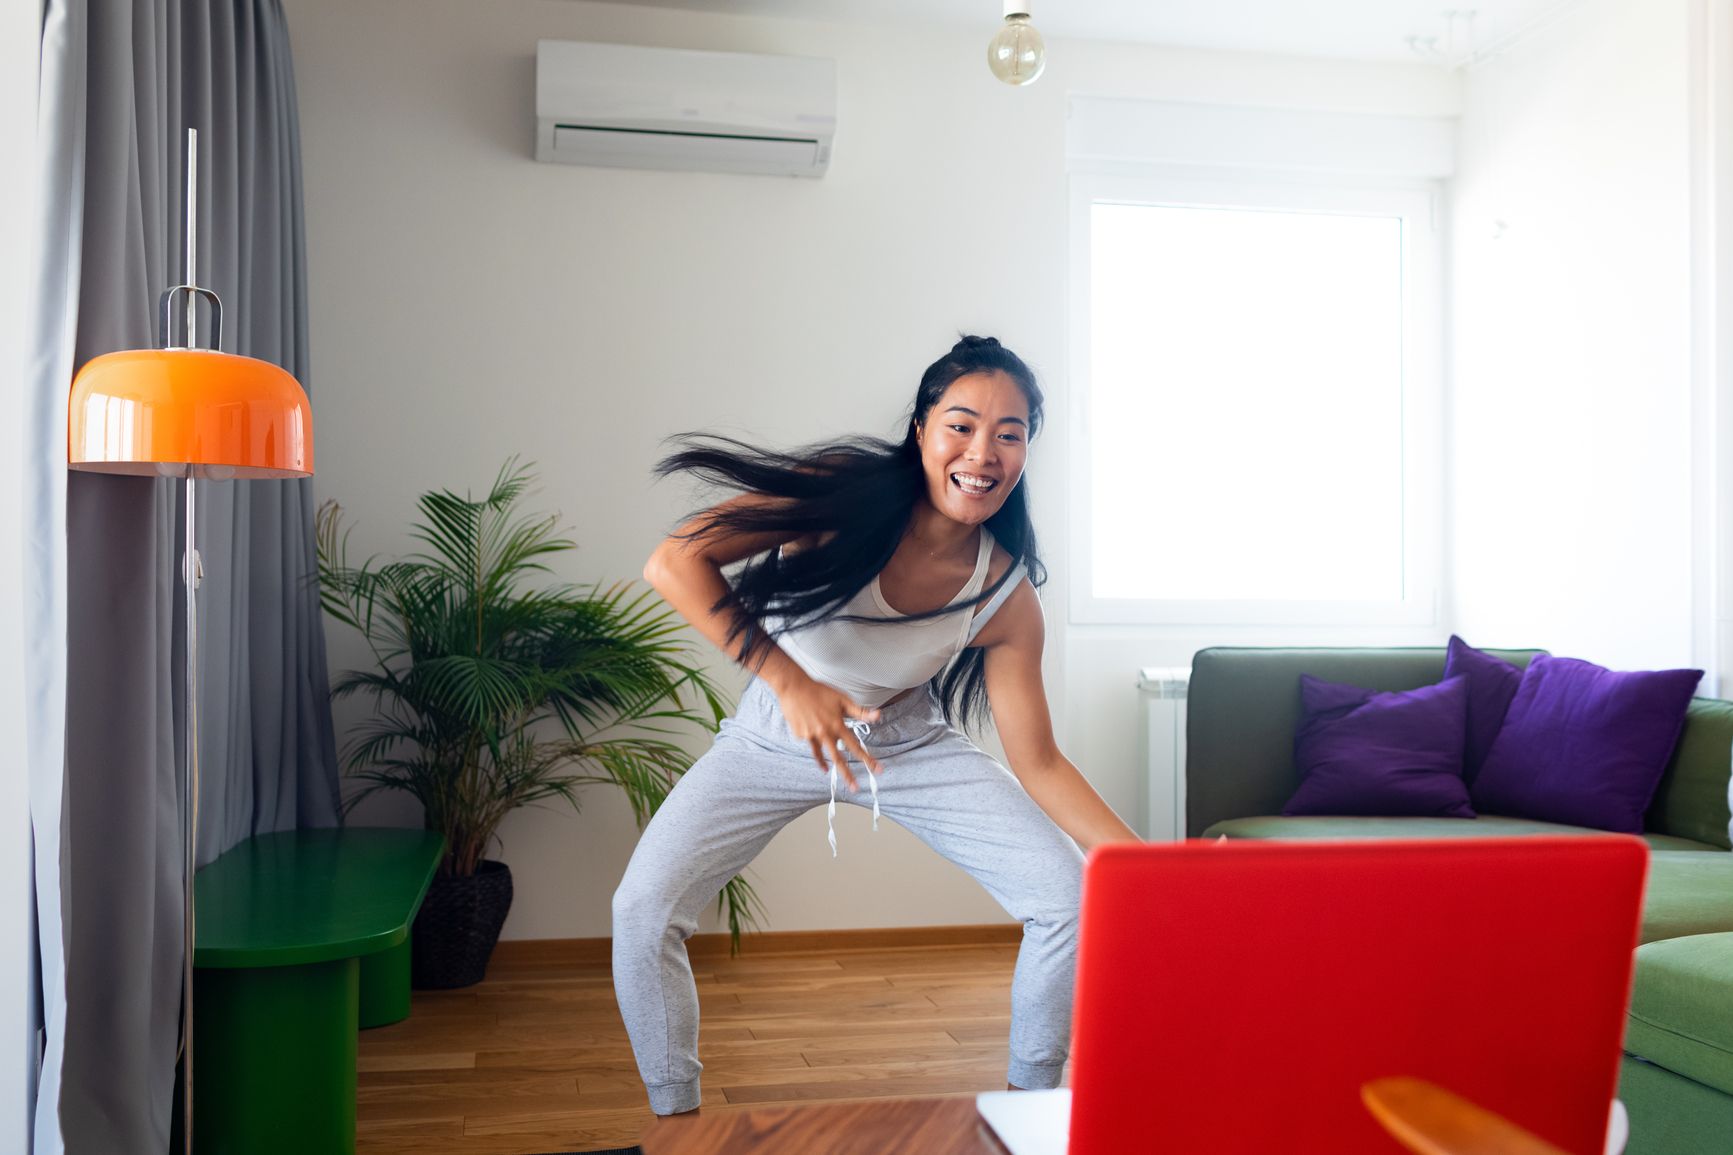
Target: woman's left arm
(1013, 640)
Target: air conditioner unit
(626, 106)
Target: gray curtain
(131, 76)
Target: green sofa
(1677, 1080)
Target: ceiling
(1365, 29)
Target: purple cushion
(1585, 745)
(1392, 754)
(1492, 683)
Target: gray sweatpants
(757, 778)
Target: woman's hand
(686, 570)
(820, 715)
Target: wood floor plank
(591, 952)
(536, 1059)
(967, 999)
(829, 983)
(474, 1110)
(851, 1043)
(935, 956)
(377, 1094)
(602, 1122)
(949, 980)
(886, 1088)
(881, 1027)
(750, 1069)
(615, 1052)
(409, 1130)
(474, 1077)
(768, 965)
(973, 1064)
(416, 1060)
(881, 1004)
(903, 1054)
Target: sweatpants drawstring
(861, 730)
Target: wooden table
(301, 938)
(932, 1126)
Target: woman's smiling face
(974, 442)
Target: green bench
(302, 937)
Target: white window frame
(1417, 203)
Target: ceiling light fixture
(1455, 49)
(1017, 54)
(1459, 49)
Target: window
(1258, 425)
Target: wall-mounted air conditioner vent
(625, 106)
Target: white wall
(1572, 451)
(20, 40)
(469, 304)
(1710, 33)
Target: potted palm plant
(492, 693)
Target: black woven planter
(457, 928)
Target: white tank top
(873, 663)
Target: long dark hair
(861, 492)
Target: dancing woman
(883, 592)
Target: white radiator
(1162, 794)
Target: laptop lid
(1235, 996)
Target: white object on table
(1618, 1129)
(1028, 1122)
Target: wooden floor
(535, 1059)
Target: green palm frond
(742, 907)
(491, 694)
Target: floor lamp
(192, 412)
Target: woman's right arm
(686, 569)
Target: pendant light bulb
(1017, 54)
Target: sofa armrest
(1693, 798)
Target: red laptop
(1235, 996)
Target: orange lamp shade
(189, 412)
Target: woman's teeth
(969, 483)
